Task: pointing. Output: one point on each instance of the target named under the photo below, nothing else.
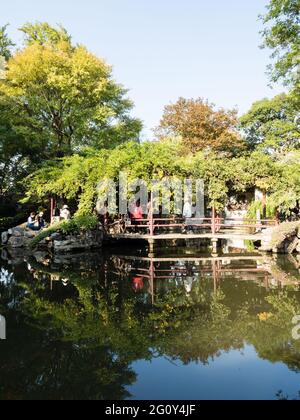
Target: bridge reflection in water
(184, 271)
(155, 275)
(108, 326)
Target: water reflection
(86, 326)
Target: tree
(272, 126)
(282, 35)
(42, 33)
(62, 97)
(286, 195)
(201, 126)
(6, 43)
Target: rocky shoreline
(283, 239)
(21, 237)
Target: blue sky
(164, 49)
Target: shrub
(258, 205)
(72, 227)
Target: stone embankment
(21, 237)
(283, 239)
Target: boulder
(4, 238)
(30, 234)
(282, 239)
(84, 241)
(16, 242)
(17, 231)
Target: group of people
(36, 221)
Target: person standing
(188, 214)
(136, 215)
(65, 213)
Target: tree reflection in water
(77, 323)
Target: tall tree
(282, 35)
(62, 97)
(201, 126)
(272, 125)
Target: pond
(127, 325)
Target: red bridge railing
(154, 226)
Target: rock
(4, 238)
(84, 241)
(16, 242)
(56, 236)
(17, 231)
(40, 256)
(30, 234)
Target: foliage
(201, 126)
(42, 33)
(63, 97)
(271, 125)
(71, 227)
(77, 177)
(286, 189)
(56, 98)
(282, 35)
(6, 44)
(256, 206)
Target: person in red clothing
(138, 283)
(136, 214)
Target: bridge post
(151, 216)
(213, 222)
(215, 243)
(151, 245)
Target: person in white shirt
(188, 214)
(65, 213)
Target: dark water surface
(169, 326)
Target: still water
(126, 325)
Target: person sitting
(56, 216)
(31, 222)
(40, 220)
(65, 213)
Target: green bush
(44, 234)
(72, 227)
(258, 205)
(78, 224)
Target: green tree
(42, 33)
(6, 43)
(63, 97)
(282, 35)
(271, 125)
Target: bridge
(175, 228)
